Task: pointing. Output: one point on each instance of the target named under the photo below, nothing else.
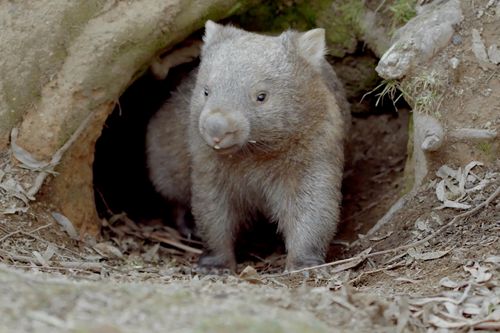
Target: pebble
(454, 62)
(456, 39)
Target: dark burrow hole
(373, 178)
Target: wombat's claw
(202, 270)
(304, 263)
(214, 264)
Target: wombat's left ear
(212, 30)
(215, 32)
(312, 46)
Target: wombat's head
(255, 89)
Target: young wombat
(259, 127)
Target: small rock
(486, 92)
(454, 62)
(494, 54)
(479, 49)
(456, 39)
(411, 43)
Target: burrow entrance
(373, 178)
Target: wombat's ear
(312, 46)
(212, 30)
(215, 32)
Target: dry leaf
(14, 210)
(440, 191)
(107, 250)
(445, 171)
(49, 252)
(471, 309)
(422, 225)
(441, 323)
(23, 156)
(348, 265)
(379, 238)
(249, 274)
(448, 283)
(493, 259)
(427, 255)
(66, 224)
(454, 204)
(40, 259)
(452, 188)
(478, 272)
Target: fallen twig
(175, 243)
(24, 232)
(373, 271)
(88, 266)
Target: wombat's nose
(217, 128)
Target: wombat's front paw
(303, 262)
(210, 263)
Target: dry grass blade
(175, 243)
(373, 271)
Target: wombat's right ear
(212, 30)
(312, 46)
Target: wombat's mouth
(227, 150)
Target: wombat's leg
(184, 221)
(217, 222)
(306, 242)
(309, 224)
(218, 234)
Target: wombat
(258, 128)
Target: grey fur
(282, 157)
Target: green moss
(490, 150)
(339, 18)
(402, 11)
(75, 18)
(485, 147)
(276, 16)
(342, 23)
(19, 95)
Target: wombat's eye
(205, 91)
(261, 97)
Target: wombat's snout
(220, 131)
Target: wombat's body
(257, 128)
